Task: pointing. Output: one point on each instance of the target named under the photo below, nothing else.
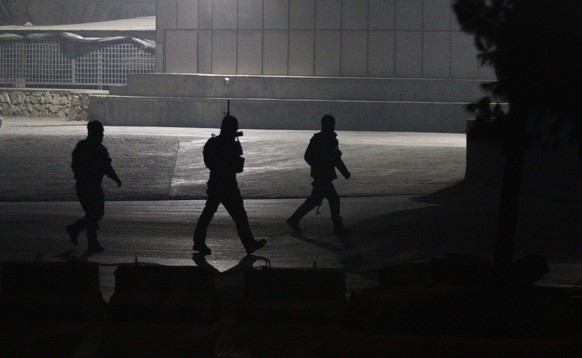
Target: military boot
(94, 245)
(73, 234)
(201, 248)
(294, 225)
(254, 245)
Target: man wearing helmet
(223, 156)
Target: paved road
(166, 163)
(404, 202)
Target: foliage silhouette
(534, 48)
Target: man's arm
(340, 165)
(109, 171)
(113, 175)
(343, 169)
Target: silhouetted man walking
(324, 156)
(223, 156)
(91, 162)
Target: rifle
(227, 108)
(239, 133)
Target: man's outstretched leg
(202, 226)
(95, 212)
(235, 207)
(309, 204)
(301, 211)
(94, 244)
(75, 229)
(334, 207)
(92, 201)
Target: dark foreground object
(293, 295)
(439, 308)
(155, 293)
(51, 290)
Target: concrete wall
(280, 114)
(289, 102)
(362, 38)
(281, 102)
(305, 88)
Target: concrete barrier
(284, 295)
(286, 102)
(164, 294)
(51, 290)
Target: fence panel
(71, 63)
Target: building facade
(393, 65)
(348, 38)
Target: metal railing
(26, 63)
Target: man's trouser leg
(210, 208)
(233, 203)
(93, 202)
(334, 204)
(79, 225)
(309, 204)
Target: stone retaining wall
(70, 104)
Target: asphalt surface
(166, 163)
(405, 202)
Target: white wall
(364, 38)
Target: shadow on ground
(463, 218)
(460, 218)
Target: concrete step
(285, 87)
(449, 117)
